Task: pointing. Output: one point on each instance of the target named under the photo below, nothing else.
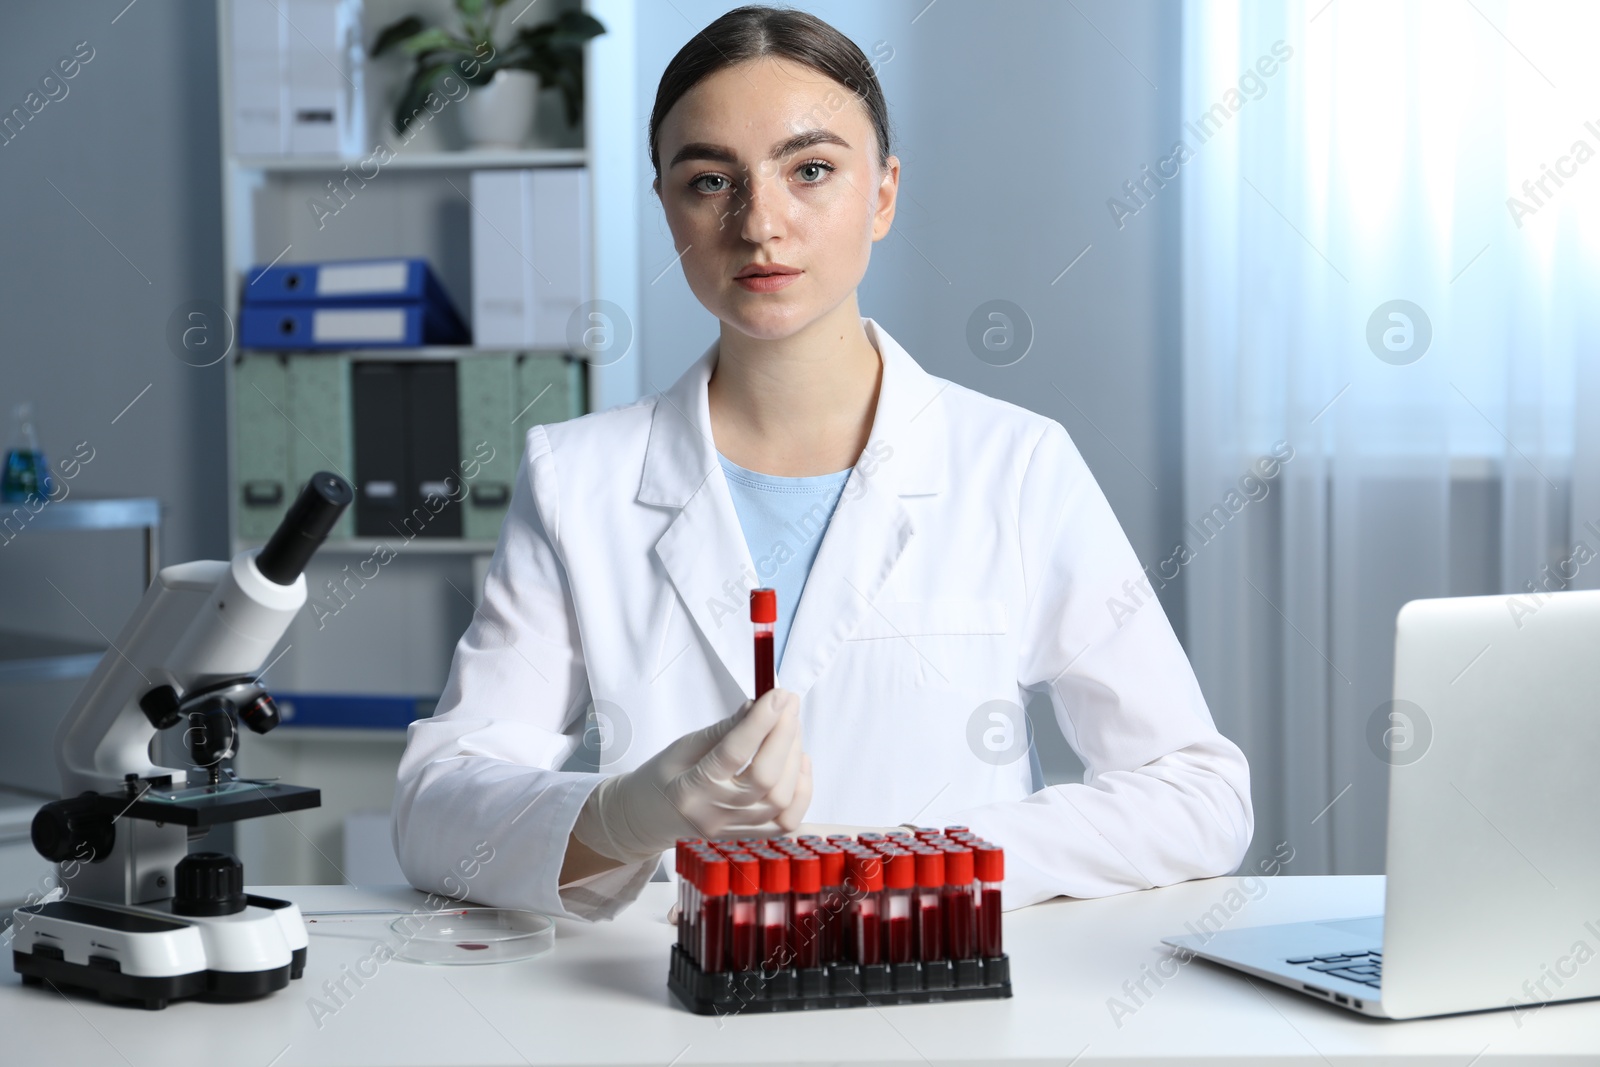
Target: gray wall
(85, 294)
(1014, 123)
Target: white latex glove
(746, 776)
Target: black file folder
(406, 439)
(378, 396)
(434, 492)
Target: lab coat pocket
(940, 644)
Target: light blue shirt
(783, 521)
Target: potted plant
(502, 82)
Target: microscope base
(150, 956)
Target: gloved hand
(700, 785)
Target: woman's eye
(816, 166)
(695, 184)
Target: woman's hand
(746, 776)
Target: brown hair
(754, 31)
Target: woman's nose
(761, 216)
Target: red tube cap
(958, 866)
(832, 864)
(865, 871)
(774, 873)
(763, 605)
(989, 863)
(745, 878)
(930, 869)
(899, 870)
(714, 875)
(806, 873)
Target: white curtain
(1337, 158)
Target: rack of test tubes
(785, 924)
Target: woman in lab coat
(970, 560)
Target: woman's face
(771, 163)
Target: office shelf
(109, 513)
(365, 546)
(445, 353)
(28, 657)
(479, 159)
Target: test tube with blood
(853, 853)
(899, 883)
(930, 917)
(989, 862)
(960, 904)
(680, 862)
(744, 887)
(831, 903)
(951, 831)
(805, 875)
(866, 888)
(689, 888)
(763, 615)
(711, 924)
(775, 910)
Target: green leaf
(434, 40)
(396, 32)
(417, 90)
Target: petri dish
(473, 935)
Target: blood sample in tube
(929, 913)
(805, 934)
(711, 935)
(899, 883)
(989, 862)
(866, 890)
(744, 886)
(775, 910)
(832, 903)
(763, 615)
(960, 905)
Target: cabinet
(32, 657)
(388, 611)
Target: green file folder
(501, 398)
(260, 445)
(320, 426)
(486, 391)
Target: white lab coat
(972, 559)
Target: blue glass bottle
(26, 472)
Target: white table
(600, 997)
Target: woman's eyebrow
(722, 154)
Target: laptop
(1492, 898)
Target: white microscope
(144, 919)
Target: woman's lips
(767, 283)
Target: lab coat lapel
(703, 549)
(905, 456)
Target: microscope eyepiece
(304, 528)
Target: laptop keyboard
(1363, 967)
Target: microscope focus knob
(77, 828)
(208, 883)
(261, 714)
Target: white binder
(297, 77)
(530, 255)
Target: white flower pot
(500, 114)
